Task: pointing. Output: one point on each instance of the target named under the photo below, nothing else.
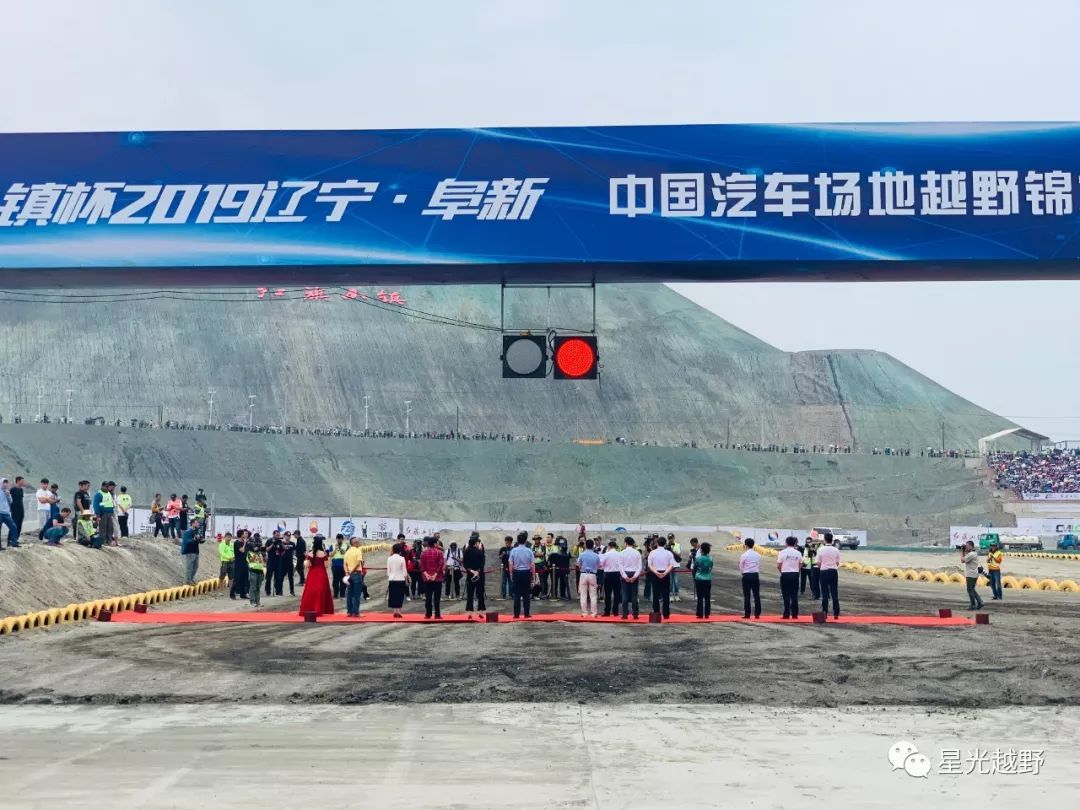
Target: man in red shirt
(432, 569)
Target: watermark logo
(904, 755)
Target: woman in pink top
(172, 514)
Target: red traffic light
(576, 358)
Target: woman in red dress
(316, 596)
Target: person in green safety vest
(227, 555)
(105, 508)
(123, 511)
(256, 563)
(200, 515)
(540, 562)
(85, 535)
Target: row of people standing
(278, 561)
(172, 518)
(427, 567)
(617, 572)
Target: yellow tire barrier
(1048, 585)
(897, 573)
(1010, 582)
(1069, 585)
(925, 576)
(944, 579)
(957, 579)
(883, 572)
(1028, 584)
(911, 575)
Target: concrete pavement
(516, 755)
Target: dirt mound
(37, 577)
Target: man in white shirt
(789, 564)
(661, 564)
(609, 566)
(44, 506)
(828, 562)
(630, 573)
(750, 569)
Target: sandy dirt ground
(1029, 655)
(588, 754)
(37, 577)
(1066, 567)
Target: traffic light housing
(575, 357)
(525, 356)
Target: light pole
(210, 415)
(366, 425)
(251, 412)
(408, 410)
(40, 394)
(67, 418)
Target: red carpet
(152, 617)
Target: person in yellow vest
(123, 511)
(256, 563)
(200, 515)
(993, 569)
(227, 555)
(104, 507)
(337, 566)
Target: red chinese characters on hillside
(320, 294)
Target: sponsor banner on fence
(366, 528)
(1047, 526)
(141, 522)
(1051, 496)
(264, 526)
(311, 525)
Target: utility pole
(408, 410)
(457, 422)
(350, 420)
(251, 412)
(763, 430)
(67, 418)
(210, 415)
(942, 436)
(40, 394)
(366, 424)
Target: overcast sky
(216, 64)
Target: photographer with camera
(970, 559)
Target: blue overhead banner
(636, 203)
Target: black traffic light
(525, 356)
(575, 358)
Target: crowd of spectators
(498, 436)
(1055, 470)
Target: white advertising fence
(1051, 496)
(1048, 526)
(372, 527)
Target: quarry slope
(672, 371)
